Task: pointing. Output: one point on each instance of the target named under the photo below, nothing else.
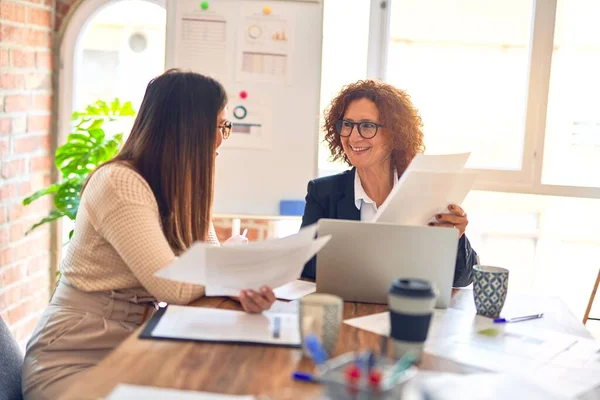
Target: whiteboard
(267, 55)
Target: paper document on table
(216, 325)
(295, 290)
(426, 188)
(444, 323)
(478, 386)
(225, 271)
(291, 307)
(136, 392)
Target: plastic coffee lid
(412, 288)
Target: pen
(276, 327)
(245, 232)
(518, 319)
(304, 376)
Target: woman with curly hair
(373, 127)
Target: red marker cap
(243, 94)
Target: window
(465, 65)
(572, 139)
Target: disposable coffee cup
(411, 303)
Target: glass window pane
(345, 45)
(572, 141)
(465, 65)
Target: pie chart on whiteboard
(254, 31)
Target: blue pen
(304, 376)
(518, 319)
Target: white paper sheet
(444, 323)
(291, 307)
(295, 290)
(210, 324)
(486, 386)
(135, 392)
(265, 50)
(427, 187)
(201, 36)
(225, 271)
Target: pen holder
(337, 386)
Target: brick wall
(258, 229)
(26, 36)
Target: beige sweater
(118, 241)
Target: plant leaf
(54, 215)
(67, 197)
(42, 192)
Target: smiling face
(365, 153)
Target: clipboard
(200, 324)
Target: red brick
(5, 126)
(10, 275)
(39, 38)
(8, 192)
(37, 264)
(38, 285)
(10, 297)
(11, 81)
(6, 256)
(4, 61)
(223, 233)
(19, 124)
(41, 163)
(42, 102)
(12, 12)
(12, 34)
(3, 216)
(18, 102)
(18, 229)
(38, 123)
(37, 81)
(43, 60)
(4, 147)
(30, 144)
(21, 311)
(32, 247)
(22, 59)
(12, 169)
(38, 16)
(3, 236)
(254, 234)
(25, 189)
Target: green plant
(90, 144)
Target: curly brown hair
(401, 120)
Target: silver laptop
(362, 259)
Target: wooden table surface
(266, 370)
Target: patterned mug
(490, 286)
(321, 315)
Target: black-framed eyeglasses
(225, 129)
(366, 129)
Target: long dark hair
(172, 145)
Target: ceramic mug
(321, 315)
(490, 286)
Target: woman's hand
(457, 218)
(257, 302)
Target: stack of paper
(426, 188)
(225, 326)
(225, 271)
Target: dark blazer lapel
(346, 207)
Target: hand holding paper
(226, 271)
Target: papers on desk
(224, 326)
(427, 187)
(225, 271)
(135, 392)
(563, 364)
(295, 290)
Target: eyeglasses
(225, 129)
(366, 129)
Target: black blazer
(333, 197)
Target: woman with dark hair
(373, 127)
(137, 213)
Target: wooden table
(239, 369)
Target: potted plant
(90, 144)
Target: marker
(304, 377)
(518, 319)
(317, 353)
(245, 232)
(276, 327)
